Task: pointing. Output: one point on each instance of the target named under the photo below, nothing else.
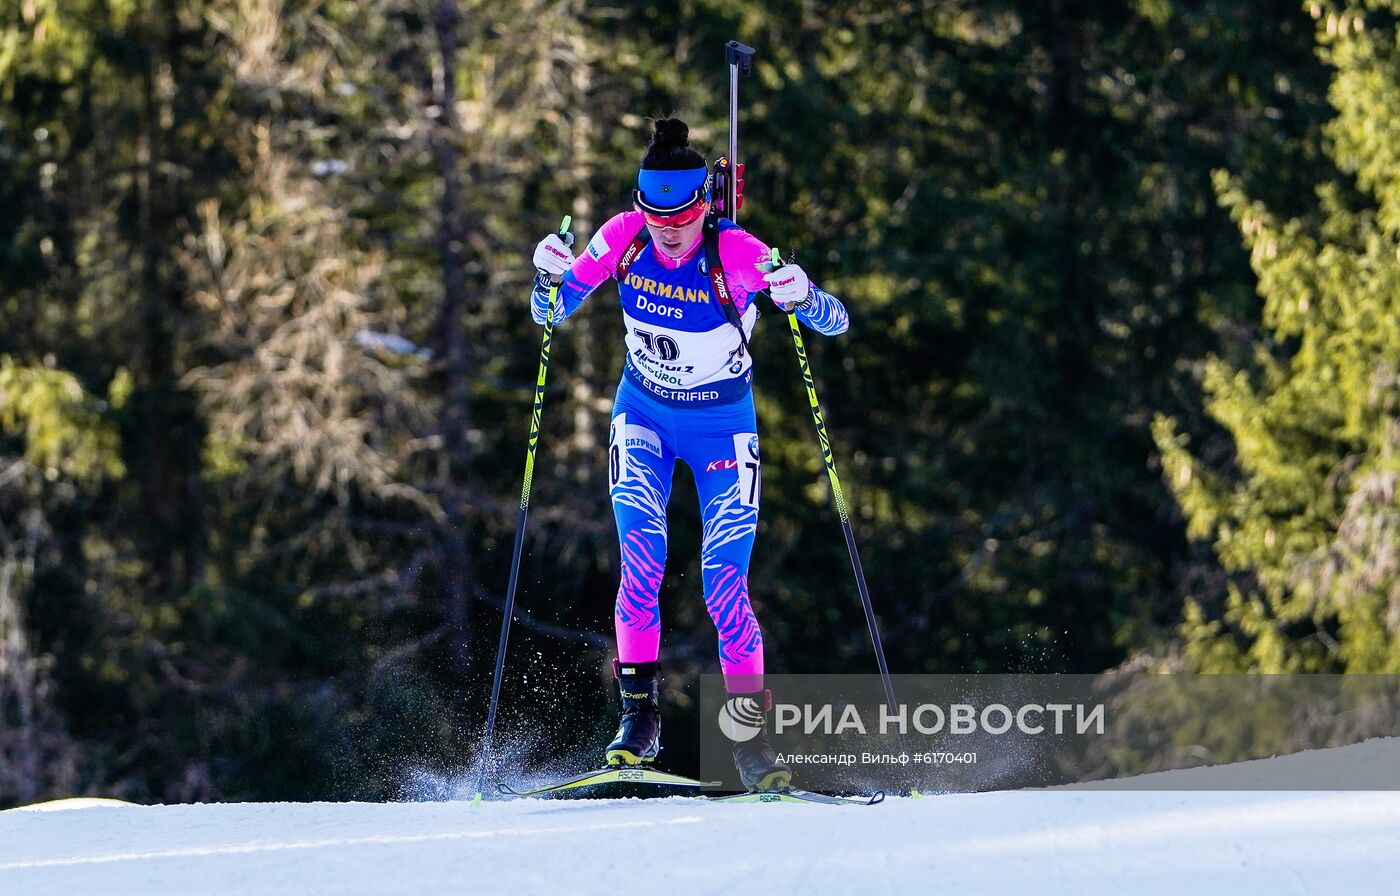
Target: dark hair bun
(669, 149)
(670, 132)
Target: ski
(801, 796)
(644, 775)
(622, 775)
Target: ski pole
(840, 498)
(508, 608)
(740, 59)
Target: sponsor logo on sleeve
(598, 246)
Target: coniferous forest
(1121, 387)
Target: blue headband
(667, 192)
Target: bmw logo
(753, 447)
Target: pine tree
(66, 446)
(1305, 516)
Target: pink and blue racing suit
(685, 394)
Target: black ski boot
(639, 734)
(757, 761)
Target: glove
(789, 287)
(552, 255)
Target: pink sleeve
(599, 260)
(741, 252)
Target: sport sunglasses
(679, 219)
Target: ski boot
(638, 737)
(757, 761)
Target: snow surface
(1370, 765)
(1070, 841)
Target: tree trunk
(445, 142)
(164, 429)
(582, 390)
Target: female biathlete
(685, 394)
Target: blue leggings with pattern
(720, 445)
